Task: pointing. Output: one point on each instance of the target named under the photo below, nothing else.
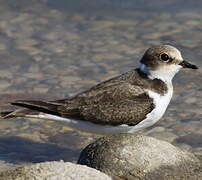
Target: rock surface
(130, 156)
(53, 171)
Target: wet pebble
(5, 74)
(191, 139)
(166, 136)
(4, 84)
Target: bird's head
(163, 62)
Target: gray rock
(53, 171)
(192, 139)
(130, 156)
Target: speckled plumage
(120, 100)
(135, 99)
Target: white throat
(165, 73)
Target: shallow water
(54, 49)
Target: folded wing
(109, 103)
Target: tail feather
(40, 106)
(5, 113)
(18, 113)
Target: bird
(126, 103)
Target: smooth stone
(55, 170)
(157, 129)
(184, 147)
(165, 136)
(190, 127)
(191, 100)
(5, 74)
(193, 139)
(6, 166)
(132, 156)
(34, 68)
(198, 152)
(4, 84)
(41, 89)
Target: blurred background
(54, 49)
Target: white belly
(161, 103)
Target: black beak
(186, 64)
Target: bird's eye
(164, 57)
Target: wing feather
(114, 101)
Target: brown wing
(112, 103)
(126, 111)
